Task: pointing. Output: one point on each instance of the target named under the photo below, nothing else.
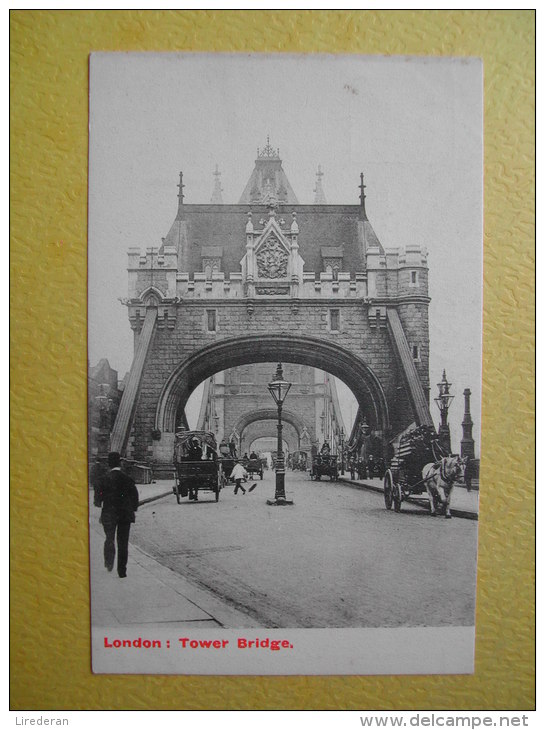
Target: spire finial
(216, 198)
(319, 197)
(181, 196)
(269, 151)
(362, 187)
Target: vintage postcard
(285, 303)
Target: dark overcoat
(118, 496)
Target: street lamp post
(342, 451)
(278, 389)
(443, 400)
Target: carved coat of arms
(272, 260)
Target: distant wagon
(300, 461)
(253, 466)
(197, 465)
(324, 466)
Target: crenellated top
(272, 268)
(264, 247)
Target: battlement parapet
(157, 269)
(312, 286)
(153, 258)
(412, 255)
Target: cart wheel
(396, 496)
(388, 482)
(178, 495)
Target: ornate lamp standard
(342, 451)
(279, 389)
(443, 400)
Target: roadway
(337, 558)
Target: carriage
(197, 465)
(403, 478)
(324, 466)
(253, 466)
(299, 461)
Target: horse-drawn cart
(421, 465)
(197, 465)
(253, 466)
(324, 466)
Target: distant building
(103, 397)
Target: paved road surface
(337, 558)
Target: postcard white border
(440, 650)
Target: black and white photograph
(284, 363)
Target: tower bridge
(269, 280)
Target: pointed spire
(268, 178)
(218, 190)
(362, 196)
(319, 197)
(181, 187)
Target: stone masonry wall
(188, 335)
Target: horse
(439, 478)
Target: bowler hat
(114, 458)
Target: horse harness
(447, 479)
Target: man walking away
(238, 474)
(118, 497)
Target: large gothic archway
(231, 352)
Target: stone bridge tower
(236, 405)
(269, 280)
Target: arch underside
(268, 429)
(233, 352)
(270, 414)
(270, 443)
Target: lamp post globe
(279, 388)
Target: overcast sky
(412, 125)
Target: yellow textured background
(50, 655)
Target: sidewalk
(150, 492)
(152, 594)
(462, 503)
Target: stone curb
(153, 499)
(464, 514)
